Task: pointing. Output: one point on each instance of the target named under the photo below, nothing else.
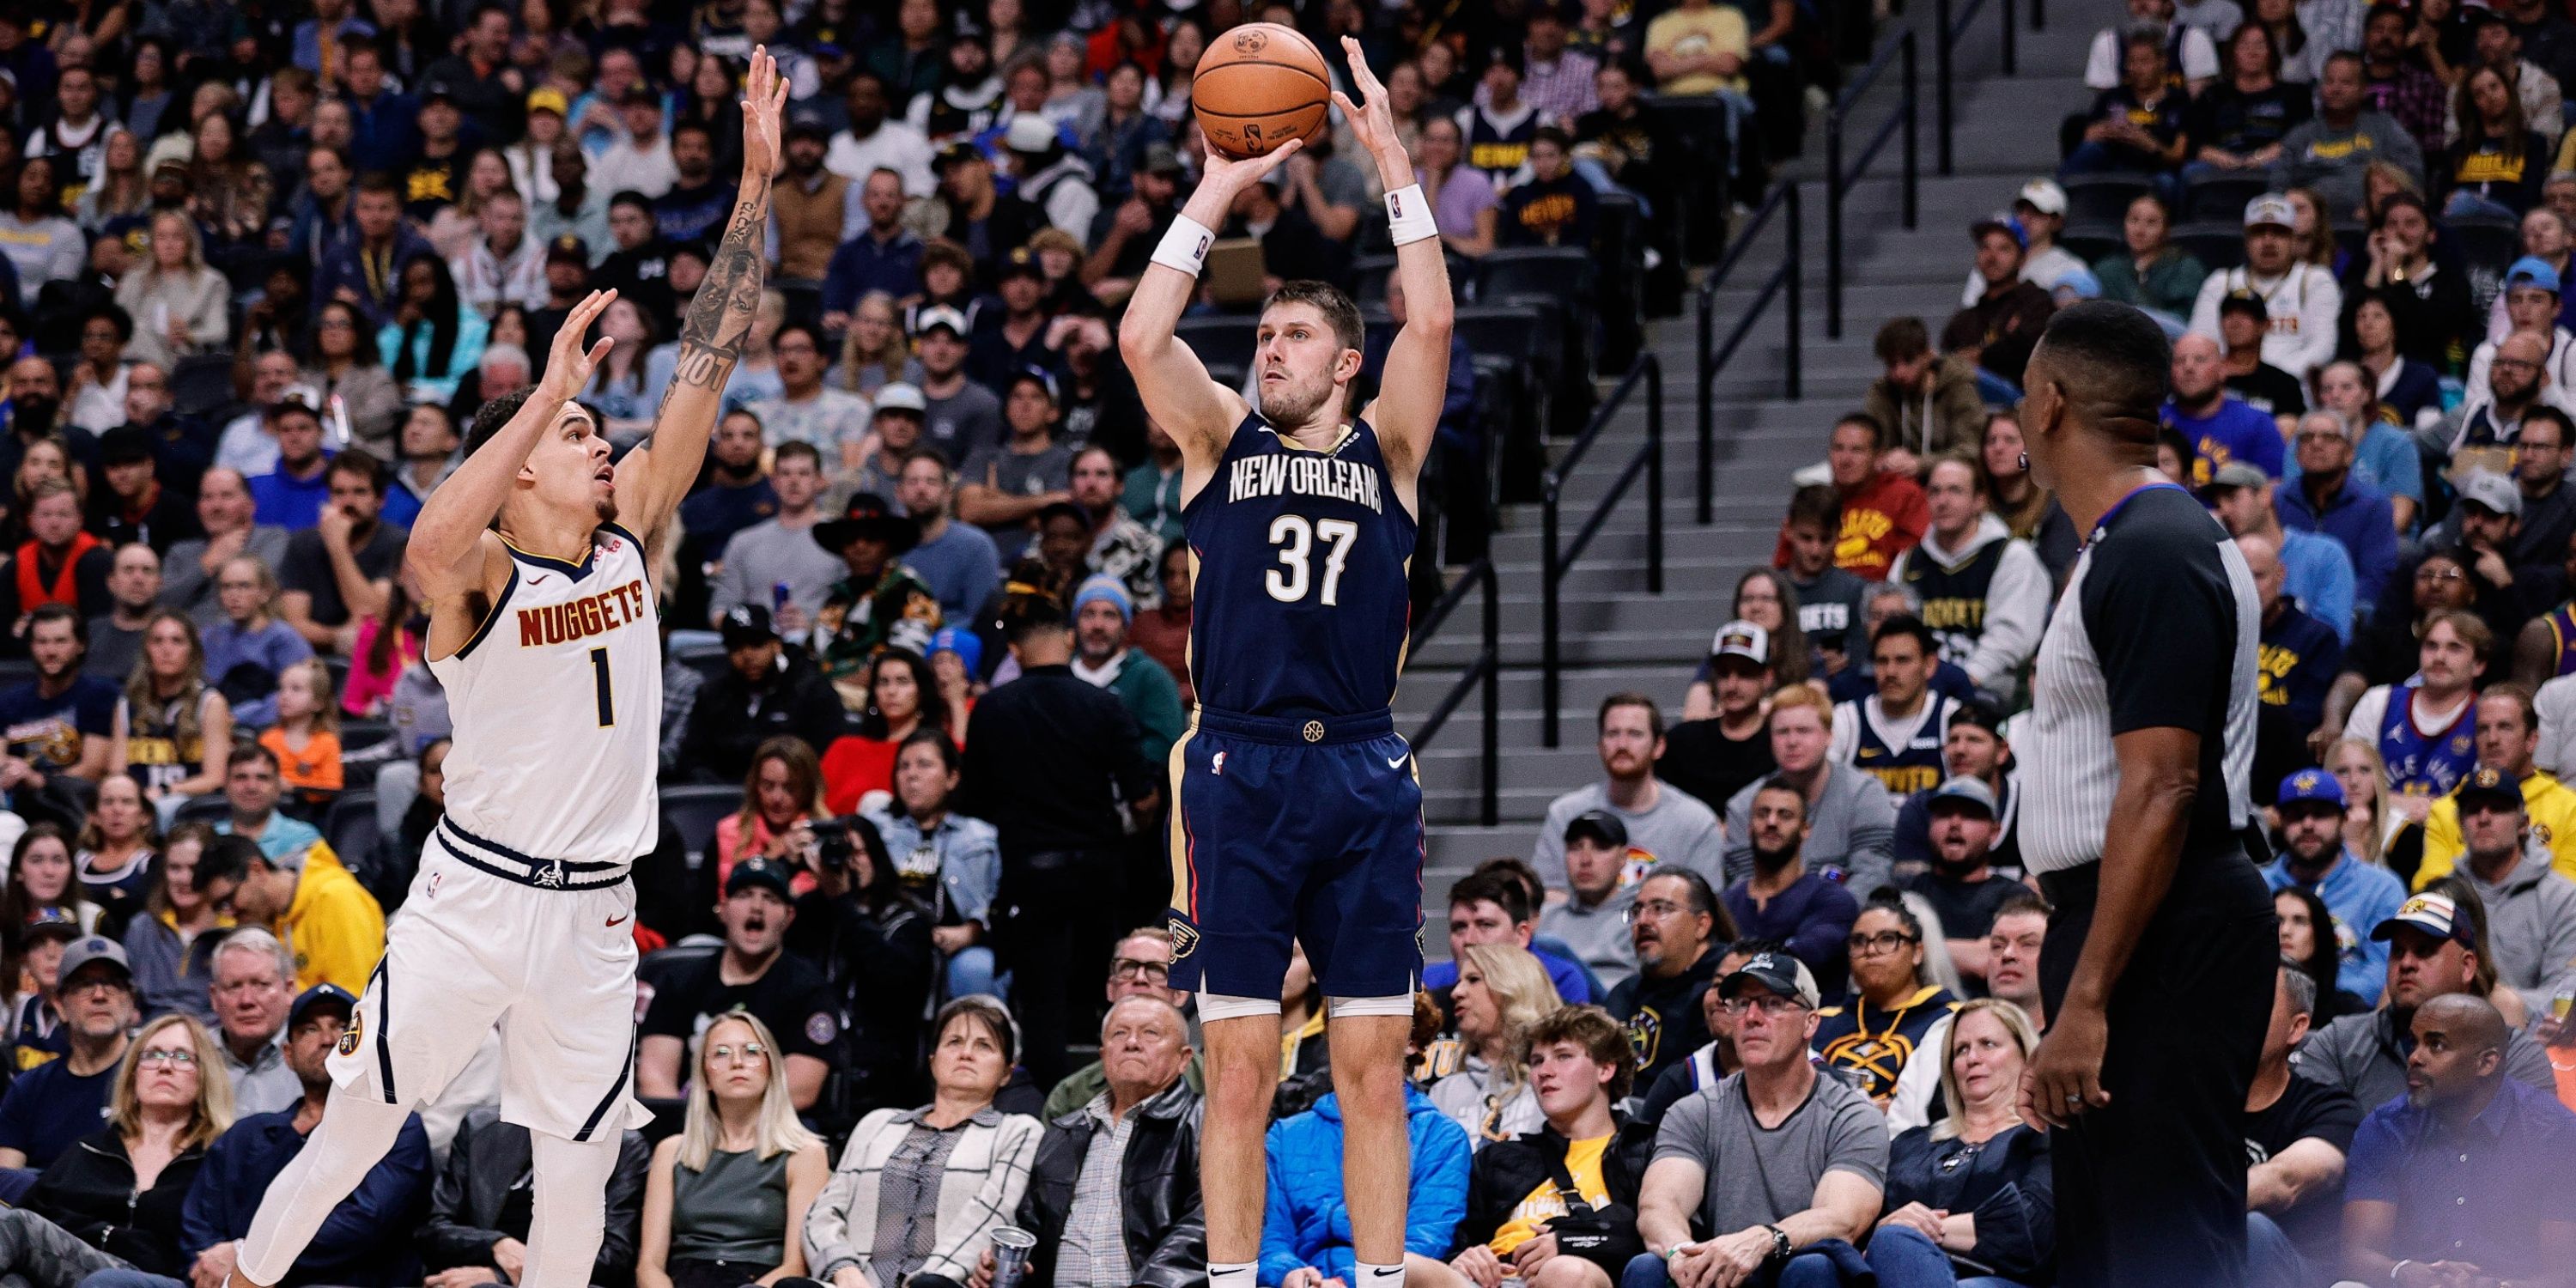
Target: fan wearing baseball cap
(2314, 857)
(59, 1101)
(2436, 947)
(2303, 299)
(1999, 328)
(1714, 758)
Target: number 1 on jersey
(1296, 539)
(599, 671)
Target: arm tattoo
(719, 319)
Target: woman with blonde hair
(2312, 234)
(874, 353)
(725, 1200)
(1975, 1185)
(112, 1201)
(121, 188)
(177, 302)
(2367, 824)
(1502, 994)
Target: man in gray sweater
(1663, 823)
(781, 551)
(2331, 150)
(1851, 820)
(2531, 910)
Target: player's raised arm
(446, 546)
(654, 477)
(1416, 380)
(1197, 412)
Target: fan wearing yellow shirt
(2508, 737)
(1698, 47)
(1557, 1207)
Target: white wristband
(1185, 247)
(1408, 216)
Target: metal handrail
(1788, 280)
(1948, 31)
(1898, 48)
(1484, 673)
(1556, 561)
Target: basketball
(1257, 87)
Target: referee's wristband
(1185, 247)
(1408, 216)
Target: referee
(2159, 962)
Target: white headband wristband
(1408, 215)
(1185, 247)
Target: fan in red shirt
(1884, 513)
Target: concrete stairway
(1616, 636)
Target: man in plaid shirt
(1554, 79)
(2399, 84)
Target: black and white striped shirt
(2157, 628)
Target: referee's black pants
(2150, 1189)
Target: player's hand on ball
(1232, 176)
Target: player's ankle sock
(1233, 1274)
(1364, 1275)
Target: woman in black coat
(112, 1200)
(1968, 1199)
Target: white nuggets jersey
(557, 703)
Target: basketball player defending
(1298, 814)
(542, 628)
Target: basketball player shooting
(542, 629)
(1298, 814)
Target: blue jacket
(344, 264)
(367, 1240)
(1304, 1222)
(2356, 515)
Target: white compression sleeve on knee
(571, 1214)
(1398, 1004)
(355, 1134)
(1219, 1006)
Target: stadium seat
(2093, 199)
(351, 829)
(693, 810)
(210, 808)
(2220, 197)
(1562, 273)
(1221, 338)
(2217, 245)
(202, 384)
(2484, 241)
(2093, 243)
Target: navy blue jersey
(1299, 606)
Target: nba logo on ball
(1264, 85)
(1251, 42)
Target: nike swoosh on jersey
(538, 578)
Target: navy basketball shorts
(1303, 829)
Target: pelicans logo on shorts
(349, 1037)
(1185, 938)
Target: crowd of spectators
(261, 263)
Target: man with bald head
(1133, 1218)
(225, 510)
(2299, 655)
(2156, 965)
(2470, 1178)
(2220, 426)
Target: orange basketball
(1258, 86)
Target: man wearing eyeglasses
(1680, 932)
(1139, 966)
(2331, 499)
(62, 1100)
(1775, 1159)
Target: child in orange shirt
(306, 740)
